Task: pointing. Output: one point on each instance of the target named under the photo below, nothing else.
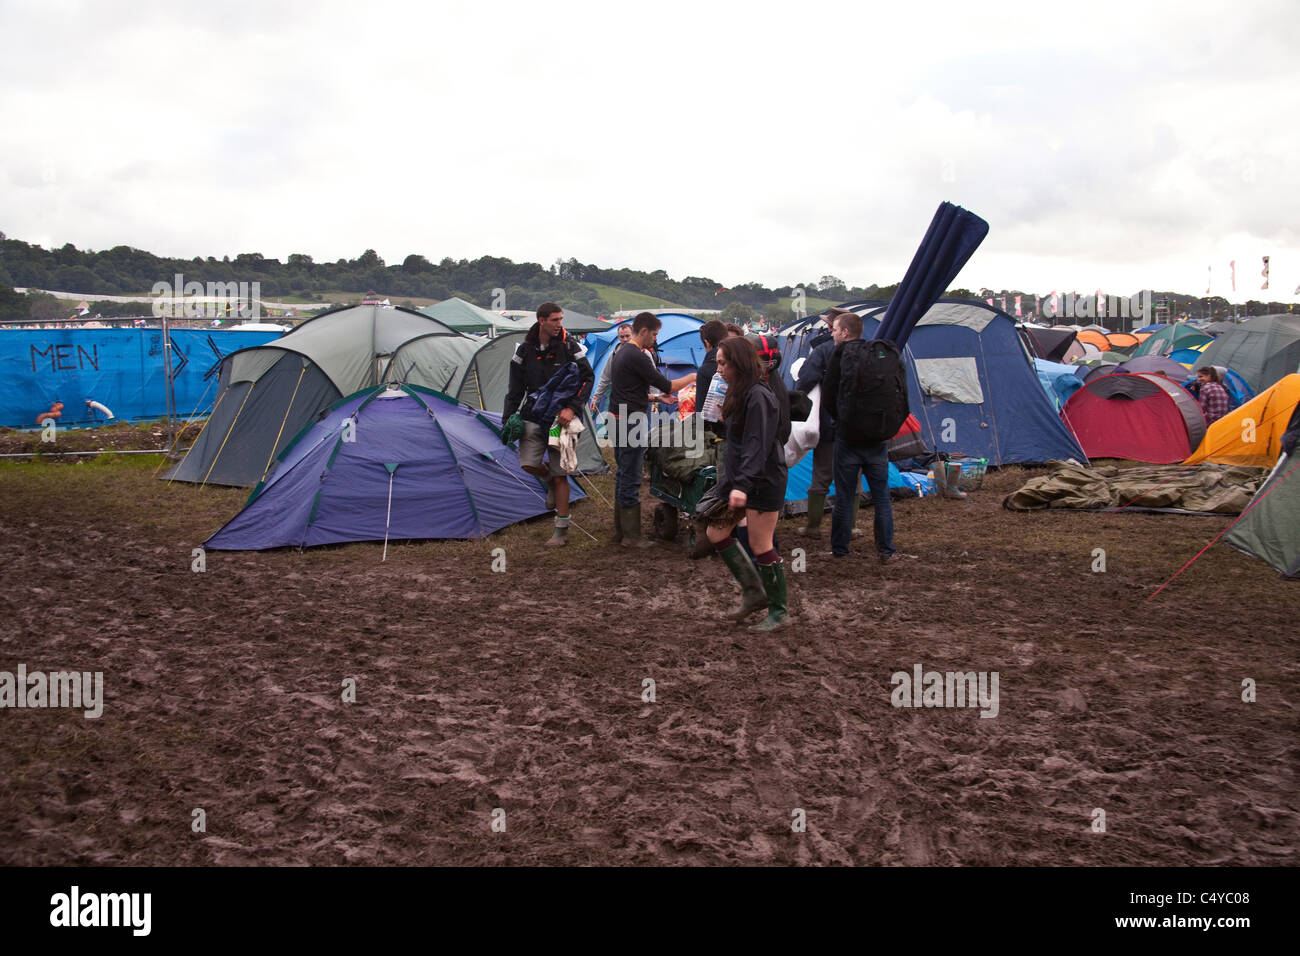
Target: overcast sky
(1114, 145)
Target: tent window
(950, 379)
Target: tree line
(123, 270)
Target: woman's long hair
(745, 374)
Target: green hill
(616, 299)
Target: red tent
(1140, 417)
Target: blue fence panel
(119, 368)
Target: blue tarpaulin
(119, 368)
(799, 478)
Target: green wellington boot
(816, 508)
(778, 596)
(743, 570)
(631, 523)
(618, 527)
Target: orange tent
(1121, 340)
(1093, 337)
(1251, 434)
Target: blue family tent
(389, 462)
(971, 385)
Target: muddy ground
(522, 691)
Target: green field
(616, 299)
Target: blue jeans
(850, 462)
(627, 477)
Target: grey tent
(1261, 351)
(269, 393)
(1270, 528)
(484, 379)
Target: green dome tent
(269, 393)
(466, 317)
(1170, 339)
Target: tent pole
(388, 517)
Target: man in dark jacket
(545, 350)
(631, 376)
(853, 456)
(811, 375)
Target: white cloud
(1118, 145)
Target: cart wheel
(666, 522)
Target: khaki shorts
(533, 446)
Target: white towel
(567, 442)
(805, 435)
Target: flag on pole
(989, 301)
(1232, 273)
(1004, 303)
(1017, 305)
(1209, 274)
(1265, 273)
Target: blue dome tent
(388, 462)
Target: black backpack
(872, 399)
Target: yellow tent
(1252, 434)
